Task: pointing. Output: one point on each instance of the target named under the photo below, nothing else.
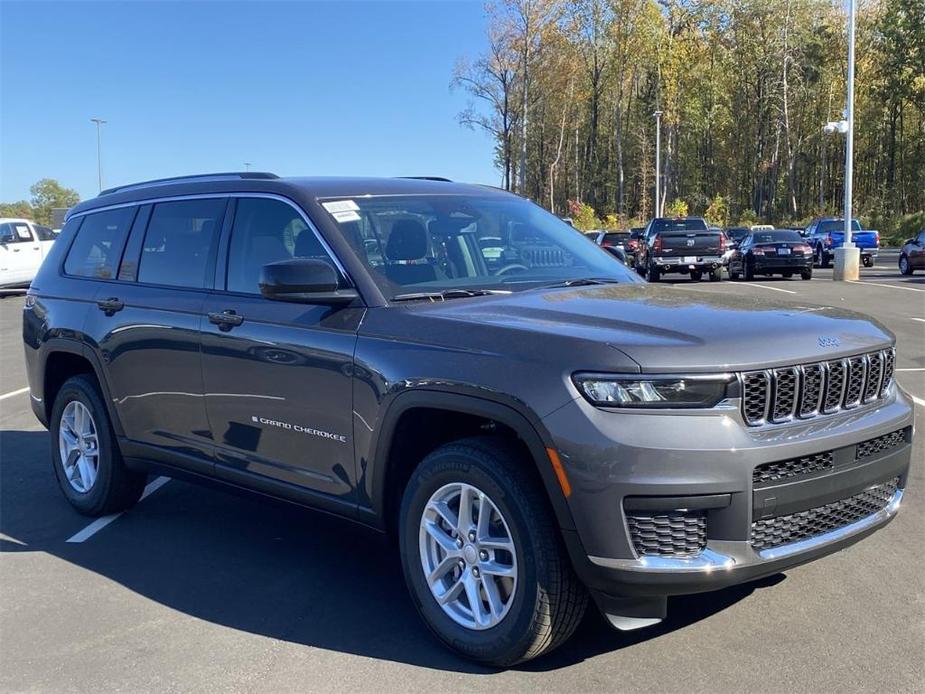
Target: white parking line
(910, 369)
(14, 393)
(918, 401)
(888, 286)
(773, 289)
(921, 320)
(101, 523)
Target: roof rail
(227, 176)
(427, 178)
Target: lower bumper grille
(773, 532)
(668, 533)
(881, 444)
(783, 469)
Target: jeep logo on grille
(690, 242)
(825, 341)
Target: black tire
(734, 275)
(548, 601)
(749, 271)
(806, 274)
(696, 275)
(824, 260)
(716, 275)
(905, 267)
(653, 274)
(867, 260)
(116, 488)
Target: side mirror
(304, 280)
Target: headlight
(642, 391)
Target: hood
(664, 329)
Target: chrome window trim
(226, 195)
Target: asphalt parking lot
(199, 590)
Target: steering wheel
(510, 268)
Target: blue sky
(297, 88)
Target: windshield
(434, 243)
(837, 225)
(777, 237)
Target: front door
(277, 375)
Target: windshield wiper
(447, 294)
(579, 282)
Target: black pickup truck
(685, 245)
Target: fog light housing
(654, 391)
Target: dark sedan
(912, 255)
(776, 252)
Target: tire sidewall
(92, 502)
(512, 636)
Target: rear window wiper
(447, 294)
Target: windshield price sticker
(346, 216)
(335, 206)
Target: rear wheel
(85, 453)
(905, 267)
(482, 555)
(749, 271)
(823, 257)
(867, 260)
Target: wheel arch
(389, 475)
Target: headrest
(408, 241)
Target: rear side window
(45, 234)
(689, 224)
(179, 242)
(266, 231)
(98, 246)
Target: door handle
(111, 305)
(226, 320)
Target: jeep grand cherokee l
(537, 434)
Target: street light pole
(658, 162)
(848, 257)
(99, 151)
(247, 166)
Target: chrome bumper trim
(833, 535)
(710, 560)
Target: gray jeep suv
(536, 429)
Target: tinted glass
(266, 231)
(179, 241)
(98, 246)
(837, 225)
(690, 224)
(45, 234)
(777, 237)
(415, 243)
(615, 237)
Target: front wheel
(482, 555)
(85, 453)
(905, 267)
(807, 274)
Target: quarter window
(266, 231)
(179, 241)
(98, 246)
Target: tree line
(568, 89)
(45, 195)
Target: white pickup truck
(23, 247)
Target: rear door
(278, 375)
(148, 322)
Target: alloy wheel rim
(78, 446)
(903, 264)
(468, 556)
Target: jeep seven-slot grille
(783, 469)
(779, 395)
(668, 533)
(794, 527)
(881, 444)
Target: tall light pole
(848, 257)
(247, 166)
(99, 151)
(658, 161)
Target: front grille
(783, 469)
(794, 527)
(668, 533)
(881, 444)
(779, 395)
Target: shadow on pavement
(267, 568)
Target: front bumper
(712, 457)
